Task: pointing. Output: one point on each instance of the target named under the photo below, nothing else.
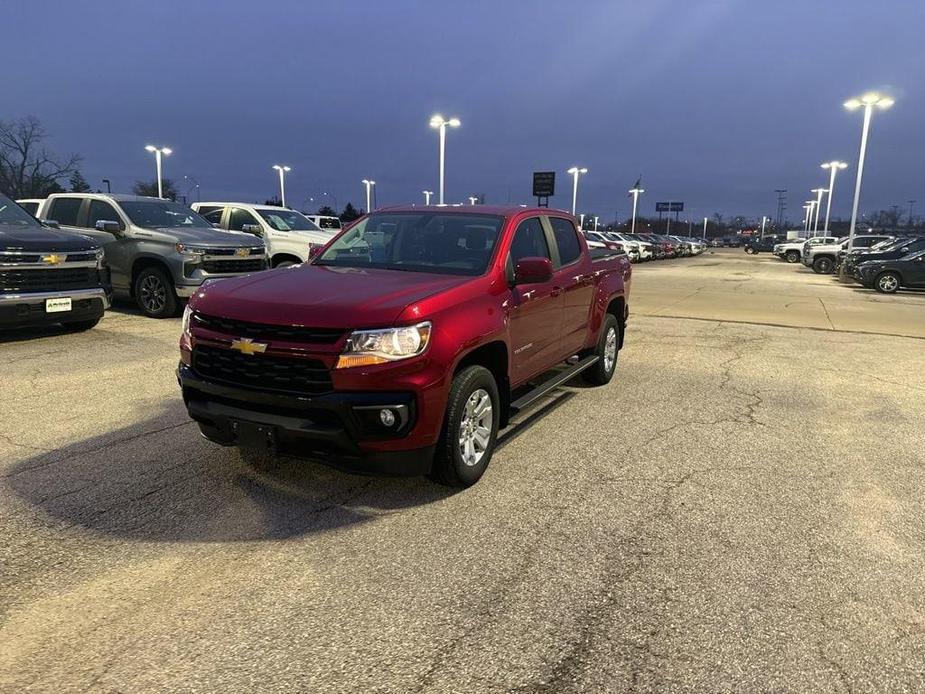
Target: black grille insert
(262, 331)
(48, 280)
(299, 376)
(226, 266)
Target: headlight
(190, 251)
(184, 322)
(368, 347)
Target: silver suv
(158, 250)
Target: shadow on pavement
(159, 480)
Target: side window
(102, 211)
(215, 216)
(566, 240)
(529, 241)
(240, 217)
(65, 210)
(206, 209)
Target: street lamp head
(834, 164)
(818, 190)
(869, 99)
(280, 167)
(150, 148)
(636, 191)
(575, 170)
(454, 122)
(166, 150)
(436, 121)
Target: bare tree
(27, 169)
(149, 188)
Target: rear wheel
(607, 350)
(470, 428)
(887, 283)
(154, 293)
(823, 265)
(793, 256)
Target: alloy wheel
(475, 427)
(153, 294)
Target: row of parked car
(642, 247)
(885, 262)
(91, 246)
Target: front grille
(49, 279)
(15, 258)
(232, 251)
(265, 332)
(298, 376)
(226, 266)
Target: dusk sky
(714, 103)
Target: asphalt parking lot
(742, 508)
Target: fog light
(387, 417)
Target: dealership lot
(741, 508)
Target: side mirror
(109, 226)
(53, 223)
(252, 229)
(533, 271)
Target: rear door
(118, 247)
(574, 277)
(915, 275)
(536, 309)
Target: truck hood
(321, 296)
(201, 236)
(42, 239)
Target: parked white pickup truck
(288, 234)
(791, 250)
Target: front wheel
(793, 256)
(607, 349)
(823, 266)
(154, 293)
(887, 283)
(470, 428)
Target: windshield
(153, 214)
(288, 220)
(12, 214)
(456, 244)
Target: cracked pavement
(741, 509)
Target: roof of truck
(500, 210)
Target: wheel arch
(143, 263)
(282, 257)
(494, 357)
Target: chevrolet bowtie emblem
(53, 259)
(242, 252)
(247, 346)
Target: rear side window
(529, 241)
(215, 216)
(65, 210)
(204, 210)
(102, 212)
(566, 240)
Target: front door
(535, 309)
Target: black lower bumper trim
(26, 315)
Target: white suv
(289, 235)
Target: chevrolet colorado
(48, 276)
(407, 342)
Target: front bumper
(27, 309)
(339, 428)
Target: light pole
(369, 184)
(635, 192)
(595, 222)
(806, 209)
(427, 194)
(809, 218)
(109, 187)
(909, 223)
(473, 199)
(283, 170)
(704, 227)
(834, 166)
(575, 171)
(441, 124)
(581, 222)
(868, 101)
(819, 193)
(158, 153)
(764, 220)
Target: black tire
(449, 466)
(78, 326)
(824, 265)
(750, 250)
(887, 283)
(792, 256)
(601, 373)
(155, 295)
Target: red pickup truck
(408, 342)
